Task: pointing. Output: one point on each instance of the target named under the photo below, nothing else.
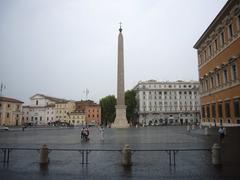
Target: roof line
(229, 2)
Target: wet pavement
(107, 165)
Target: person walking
(221, 134)
(101, 133)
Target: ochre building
(63, 110)
(219, 68)
(92, 111)
(10, 112)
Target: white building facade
(41, 110)
(165, 103)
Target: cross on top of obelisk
(120, 29)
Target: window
(210, 50)
(225, 76)
(230, 31)
(36, 102)
(203, 111)
(8, 105)
(212, 82)
(216, 44)
(236, 108)
(206, 84)
(208, 111)
(239, 21)
(205, 55)
(234, 72)
(227, 109)
(220, 110)
(222, 38)
(0, 105)
(218, 79)
(214, 110)
(200, 59)
(7, 115)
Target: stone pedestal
(120, 120)
(44, 154)
(216, 154)
(127, 156)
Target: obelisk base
(120, 120)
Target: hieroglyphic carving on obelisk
(120, 120)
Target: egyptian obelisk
(120, 120)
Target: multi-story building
(41, 110)
(10, 112)
(219, 68)
(92, 111)
(63, 110)
(77, 118)
(167, 102)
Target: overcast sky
(61, 47)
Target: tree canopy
(108, 109)
(131, 103)
(108, 104)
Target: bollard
(126, 155)
(188, 128)
(206, 131)
(200, 126)
(44, 154)
(216, 154)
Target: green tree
(131, 103)
(108, 109)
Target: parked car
(5, 128)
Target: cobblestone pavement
(107, 165)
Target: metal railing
(85, 152)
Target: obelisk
(120, 120)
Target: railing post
(87, 152)
(174, 153)
(170, 157)
(82, 151)
(127, 156)
(4, 155)
(44, 154)
(216, 154)
(8, 152)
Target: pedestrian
(101, 133)
(221, 134)
(86, 134)
(82, 132)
